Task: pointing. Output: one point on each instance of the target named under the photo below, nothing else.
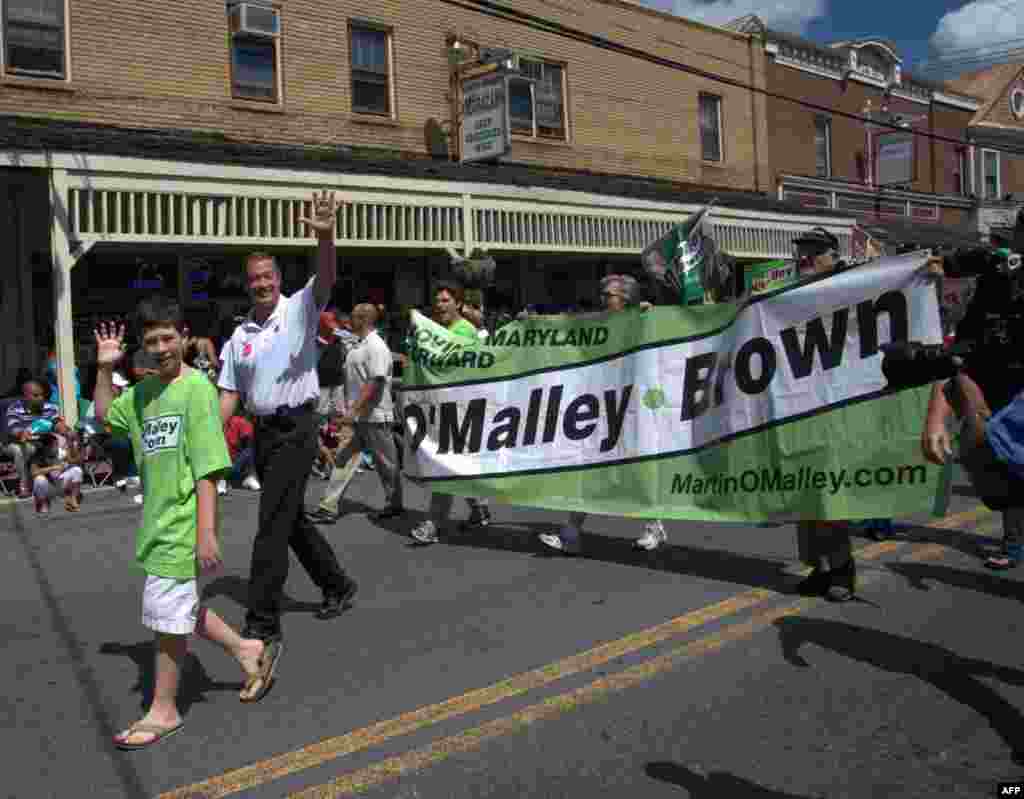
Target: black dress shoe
(336, 604)
(842, 582)
(816, 583)
(478, 517)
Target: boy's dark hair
(41, 382)
(451, 287)
(160, 311)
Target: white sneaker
(654, 536)
(425, 533)
(567, 540)
(251, 483)
(128, 482)
(137, 499)
(222, 487)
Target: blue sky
(954, 35)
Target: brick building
(829, 157)
(996, 132)
(150, 145)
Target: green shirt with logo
(463, 327)
(177, 438)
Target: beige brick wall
(165, 65)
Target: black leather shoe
(479, 517)
(842, 583)
(336, 604)
(816, 583)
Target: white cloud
(788, 15)
(982, 27)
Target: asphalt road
(485, 667)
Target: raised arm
(325, 210)
(109, 352)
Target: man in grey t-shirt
(368, 369)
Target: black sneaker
(336, 604)
(479, 517)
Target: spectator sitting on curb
(240, 434)
(57, 467)
(27, 419)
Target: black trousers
(285, 449)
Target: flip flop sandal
(265, 676)
(158, 730)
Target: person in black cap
(823, 545)
(817, 252)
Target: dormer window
(876, 62)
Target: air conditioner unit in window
(254, 19)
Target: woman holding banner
(618, 293)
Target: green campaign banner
(681, 257)
(770, 410)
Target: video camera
(909, 363)
(997, 308)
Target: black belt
(286, 412)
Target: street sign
(895, 158)
(486, 129)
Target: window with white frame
(990, 174)
(537, 100)
(255, 51)
(371, 69)
(823, 147)
(710, 127)
(34, 38)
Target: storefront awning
(178, 187)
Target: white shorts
(169, 605)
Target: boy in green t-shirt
(173, 420)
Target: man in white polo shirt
(368, 371)
(271, 360)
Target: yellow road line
(329, 749)
(472, 739)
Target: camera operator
(992, 374)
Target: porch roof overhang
(840, 186)
(921, 235)
(172, 187)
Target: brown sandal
(264, 678)
(157, 730)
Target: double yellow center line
(318, 754)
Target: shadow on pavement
(237, 589)
(966, 543)
(104, 725)
(195, 682)
(712, 564)
(716, 785)
(957, 677)
(918, 575)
